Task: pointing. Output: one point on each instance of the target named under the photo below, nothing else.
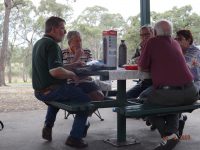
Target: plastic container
(122, 55)
(110, 48)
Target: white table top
(122, 74)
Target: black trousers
(168, 124)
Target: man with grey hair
(172, 81)
(146, 32)
(164, 28)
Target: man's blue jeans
(66, 92)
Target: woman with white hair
(76, 54)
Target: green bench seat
(75, 107)
(143, 110)
(130, 110)
(72, 107)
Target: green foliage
(182, 18)
(112, 21)
(92, 22)
(131, 34)
(51, 7)
(91, 15)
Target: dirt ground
(15, 98)
(20, 97)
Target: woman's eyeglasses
(145, 34)
(179, 38)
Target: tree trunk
(24, 76)
(4, 48)
(9, 71)
(8, 63)
(27, 62)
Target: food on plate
(131, 66)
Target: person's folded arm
(61, 73)
(70, 67)
(74, 65)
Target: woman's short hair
(148, 27)
(53, 21)
(186, 34)
(71, 35)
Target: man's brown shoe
(74, 142)
(47, 133)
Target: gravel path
(17, 98)
(20, 97)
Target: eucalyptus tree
(131, 34)
(24, 33)
(92, 15)
(1, 22)
(88, 23)
(12, 45)
(8, 6)
(91, 37)
(92, 22)
(28, 26)
(178, 16)
(182, 18)
(113, 22)
(49, 8)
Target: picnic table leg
(121, 119)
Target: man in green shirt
(49, 81)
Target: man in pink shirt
(172, 81)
